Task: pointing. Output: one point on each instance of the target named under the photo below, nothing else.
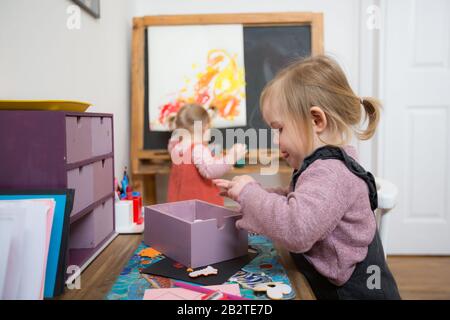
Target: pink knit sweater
(208, 166)
(327, 217)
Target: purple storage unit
(194, 233)
(57, 149)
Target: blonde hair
(188, 115)
(320, 81)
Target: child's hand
(236, 152)
(233, 188)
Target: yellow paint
(221, 84)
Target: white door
(415, 148)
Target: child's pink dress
(192, 178)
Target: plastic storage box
(194, 233)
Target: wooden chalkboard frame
(138, 153)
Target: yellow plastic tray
(54, 105)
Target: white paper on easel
(27, 263)
(207, 70)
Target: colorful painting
(196, 64)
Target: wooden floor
(100, 275)
(417, 277)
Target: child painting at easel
(193, 165)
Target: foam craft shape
(172, 229)
(149, 252)
(203, 272)
(274, 290)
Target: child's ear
(319, 119)
(171, 121)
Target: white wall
(342, 20)
(40, 58)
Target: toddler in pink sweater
(325, 218)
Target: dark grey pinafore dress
(362, 283)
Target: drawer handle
(101, 120)
(103, 163)
(79, 121)
(80, 169)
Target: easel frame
(158, 157)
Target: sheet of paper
(5, 242)
(54, 277)
(37, 243)
(209, 70)
(12, 218)
(50, 214)
(6, 233)
(28, 265)
(185, 294)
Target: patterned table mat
(265, 267)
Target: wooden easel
(146, 164)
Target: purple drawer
(103, 178)
(93, 228)
(101, 135)
(104, 220)
(78, 138)
(81, 179)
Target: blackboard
(267, 49)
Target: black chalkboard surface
(266, 50)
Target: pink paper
(185, 294)
(50, 213)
